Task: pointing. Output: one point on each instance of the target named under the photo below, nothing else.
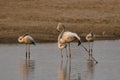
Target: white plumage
(66, 37)
(26, 39)
(90, 37)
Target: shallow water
(46, 64)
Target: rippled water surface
(46, 63)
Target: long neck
(61, 33)
(79, 40)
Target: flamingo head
(60, 26)
(61, 46)
(79, 42)
(20, 39)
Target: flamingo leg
(26, 51)
(61, 53)
(89, 53)
(29, 51)
(66, 52)
(89, 46)
(89, 50)
(69, 50)
(69, 68)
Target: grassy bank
(40, 18)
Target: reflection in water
(79, 77)
(27, 69)
(90, 70)
(64, 70)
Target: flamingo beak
(58, 31)
(65, 46)
(79, 42)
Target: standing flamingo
(26, 39)
(66, 37)
(90, 38)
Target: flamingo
(90, 38)
(66, 37)
(26, 39)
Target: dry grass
(40, 17)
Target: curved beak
(79, 42)
(58, 30)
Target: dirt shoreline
(39, 18)
(14, 40)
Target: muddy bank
(54, 39)
(39, 18)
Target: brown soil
(40, 18)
